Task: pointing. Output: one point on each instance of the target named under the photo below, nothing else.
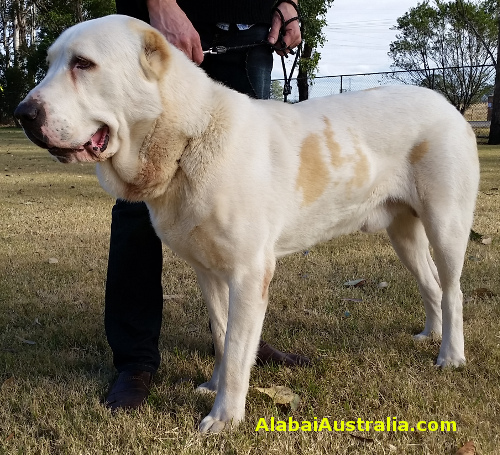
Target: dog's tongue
(99, 141)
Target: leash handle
(287, 88)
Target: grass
(55, 365)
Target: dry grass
(366, 364)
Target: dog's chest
(201, 238)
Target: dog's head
(101, 91)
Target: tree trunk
(5, 37)
(15, 35)
(78, 11)
(302, 79)
(494, 138)
(32, 25)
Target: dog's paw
(222, 418)
(211, 425)
(206, 388)
(421, 337)
(447, 361)
(427, 335)
(452, 353)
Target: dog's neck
(148, 175)
(174, 144)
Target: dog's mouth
(89, 152)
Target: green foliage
(313, 21)
(38, 23)
(276, 90)
(442, 34)
(57, 15)
(14, 83)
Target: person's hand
(292, 37)
(169, 19)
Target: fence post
(341, 84)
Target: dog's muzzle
(31, 114)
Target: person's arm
(168, 18)
(292, 36)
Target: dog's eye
(82, 63)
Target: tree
(313, 15)
(442, 35)
(276, 90)
(17, 35)
(27, 28)
(494, 137)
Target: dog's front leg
(247, 307)
(216, 295)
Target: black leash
(217, 50)
(287, 88)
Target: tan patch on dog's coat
(210, 253)
(418, 152)
(313, 174)
(361, 167)
(332, 144)
(267, 281)
(361, 170)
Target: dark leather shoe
(129, 391)
(269, 354)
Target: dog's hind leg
(216, 295)
(448, 232)
(447, 181)
(409, 239)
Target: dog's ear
(155, 54)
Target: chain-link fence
(469, 88)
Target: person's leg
(133, 302)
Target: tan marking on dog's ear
(313, 174)
(332, 144)
(155, 54)
(418, 152)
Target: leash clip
(216, 50)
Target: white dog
(233, 183)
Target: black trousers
(134, 295)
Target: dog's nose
(26, 111)
(31, 115)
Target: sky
(358, 34)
